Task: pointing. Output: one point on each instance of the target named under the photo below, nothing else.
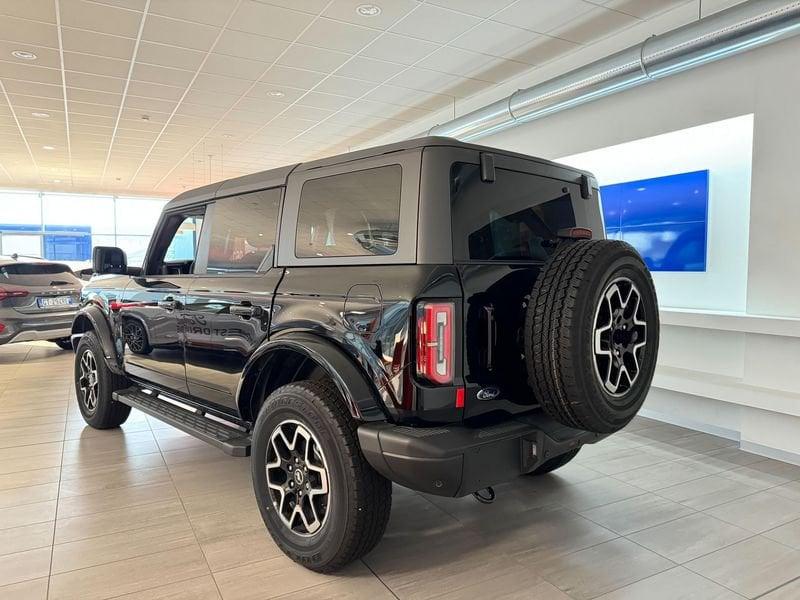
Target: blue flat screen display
(664, 218)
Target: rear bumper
(31, 328)
(455, 460)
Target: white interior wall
(734, 371)
(724, 148)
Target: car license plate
(54, 301)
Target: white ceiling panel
(165, 55)
(232, 66)
(270, 20)
(206, 12)
(315, 59)
(399, 49)
(370, 69)
(184, 34)
(32, 33)
(89, 42)
(250, 45)
(329, 34)
(436, 24)
(99, 18)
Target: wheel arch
(300, 356)
(92, 318)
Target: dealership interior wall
(728, 361)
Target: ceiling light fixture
(227, 136)
(24, 55)
(276, 94)
(56, 181)
(48, 147)
(368, 10)
(41, 115)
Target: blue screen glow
(664, 218)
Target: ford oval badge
(488, 393)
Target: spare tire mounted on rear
(591, 334)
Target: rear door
(503, 232)
(152, 303)
(227, 311)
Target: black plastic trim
(456, 460)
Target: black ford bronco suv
(432, 313)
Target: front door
(227, 311)
(152, 305)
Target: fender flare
(362, 396)
(99, 324)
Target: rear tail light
(435, 341)
(5, 294)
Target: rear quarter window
(514, 218)
(350, 214)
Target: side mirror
(109, 260)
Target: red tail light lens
(435, 341)
(5, 294)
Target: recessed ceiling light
(368, 10)
(48, 147)
(276, 94)
(56, 181)
(41, 115)
(24, 55)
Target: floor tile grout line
(185, 512)
(120, 560)
(378, 577)
(155, 587)
(58, 496)
(99, 535)
(777, 588)
(683, 564)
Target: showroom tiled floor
(655, 512)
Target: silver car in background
(38, 300)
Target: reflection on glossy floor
(146, 512)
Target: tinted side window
(514, 218)
(243, 231)
(352, 214)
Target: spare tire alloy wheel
(620, 336)
(297, 477)
(591, 335)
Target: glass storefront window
(65, 227)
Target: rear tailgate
(503, 232)
(39, 287)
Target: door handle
(246, 311)
(168, 303)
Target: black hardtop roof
(276, 177)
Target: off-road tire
(63, 343)
(107, 413)
(554, 463)
(360, 499)
(560, 328)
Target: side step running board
(229, 439)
